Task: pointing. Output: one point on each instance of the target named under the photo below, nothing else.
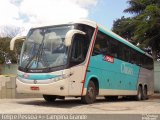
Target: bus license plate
(34, 88)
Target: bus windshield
(45, 48)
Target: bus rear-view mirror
(70, 34)
(12, 42)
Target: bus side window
(133, 57)
(96, 50)
(78, 52)
(101, 44)
(138, 59)
(126, 54)
(114, 48)
(89, 33)
(141, 60)
(120, 51)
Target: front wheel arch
(96, 83)
(91, 93)
(95, 80)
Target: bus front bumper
(55, 88)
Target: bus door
(77, 64)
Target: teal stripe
(38, 76)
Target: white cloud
(85, 3)
(43, 11)
(8, 12)
(30, 12)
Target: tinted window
(133, 57)
(87, 29)
(78, 51)
(126, 53)
(114, 48)
(101, 44)
(80, 44)
(107, 45)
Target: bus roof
(81, 21)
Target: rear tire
(50, 98)
(90, 96)
(139, 95)
(145, 95)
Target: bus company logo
(109, 59)
(126, 69)
(35, 81)
(26, 75)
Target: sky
(27, 13)
(106, 11)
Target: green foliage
(125, 28)
(138, 6)
(4, 47)
(145, 23)
(148, 27)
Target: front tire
(90, 96)
(49, 98)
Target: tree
(148, 27)
(146, 23)
(4, 49)
(5, 52)
(17, 50)
(10, 31)
(138, 6)
(125, 28)
(6, 34)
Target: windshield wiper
(38, 55)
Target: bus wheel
(145, 96)
(49, 98)
(139, 94)
(90, 96)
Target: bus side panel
(146, 78)
(75, 80)
(116, 77)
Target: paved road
(70, 105)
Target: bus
(82, 59)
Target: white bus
(82, 59)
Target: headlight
(64, 76)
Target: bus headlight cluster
(64, 76)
